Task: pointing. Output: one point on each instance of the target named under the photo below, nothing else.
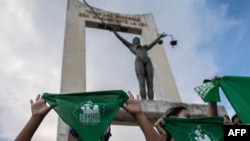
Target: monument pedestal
(154, 109)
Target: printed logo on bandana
(198, 134)
(90, 113)
(203, 89)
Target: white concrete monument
(73, 79)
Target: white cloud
(27, 67)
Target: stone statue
(143, 65)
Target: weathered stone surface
(155, 109)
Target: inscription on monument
(114, 18)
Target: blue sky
(234, 40)
(213, 39)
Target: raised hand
(133, 105)
(39, 107)
(216, 78)
(39, 110)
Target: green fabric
(235, 88)
(89, 113)
(237, 91)
(209, 91)
(186, 129)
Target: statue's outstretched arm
(155, 41)
(125, 42)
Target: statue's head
(136, 41)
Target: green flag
(237, 91)
(209, 91)
(89, 113)
(195, 129)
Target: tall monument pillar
(73, 78)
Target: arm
(156, 41)
(212, 106)
(39, 111)
(125, 42)
(212, 110)
(133, 107)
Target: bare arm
(212, 110)
(39, 111)
(133, 107)
(125, 42)
(212, 106)
(156, 41)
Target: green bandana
(89, 113)
(208, 91)
(237, 91)
(235, 88)
(195, 129)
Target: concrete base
(154, 109)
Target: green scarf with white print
(88, 113)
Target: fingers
(159, 122)
(130, 94)
(38, 97)
(227, 121)
(160, 130)
(216, 78)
